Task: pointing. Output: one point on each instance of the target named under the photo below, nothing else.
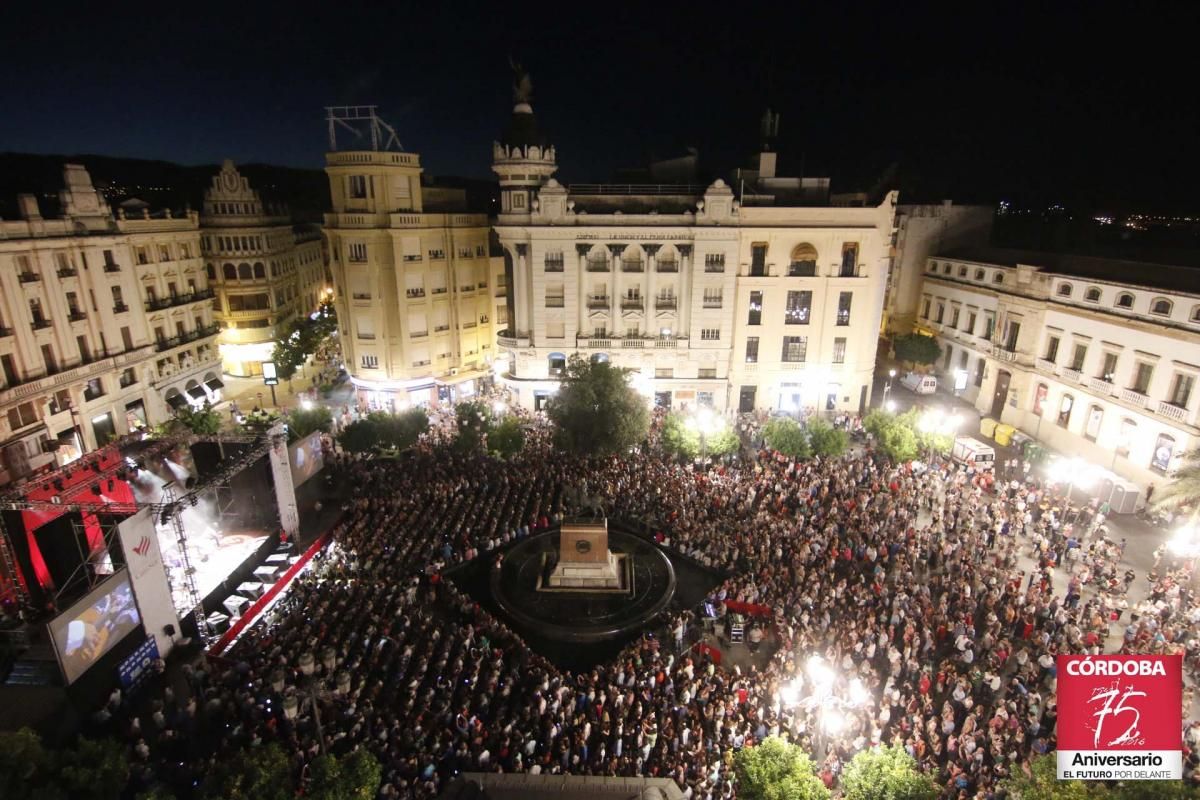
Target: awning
(176, 401)
(197, 393)
(214, 384)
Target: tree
(915, 348)
(354, 777)
(826, 441)
(304, 421)
(205, 421)
(93, 770)
(506, 438)
(596, 411)
(681, 438)
(785, 435)
(776, 770)
(1184, 489)
(25, 764)
(360, 436)
(1042, 783)
(473, 421)
(894, 438)
(259, 773)
(886, 773)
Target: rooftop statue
(522, 84)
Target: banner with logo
(137, 666)
(1120, 717)
(139, 541)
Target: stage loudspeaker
(169, 630)
(207, 456)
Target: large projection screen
(306, 458)
(90, 628)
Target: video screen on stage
(307, 458)
(91, 627)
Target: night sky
(1050, 103)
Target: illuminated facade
(264, 270)
(105, 324)
(414, 289)
(770, 300)
(1096, 357)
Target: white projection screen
(90, 628)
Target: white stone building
(1099, 358)
(413, 289)
(105, 323)
(263, 270)
(774, 303)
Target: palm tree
(1184, 489)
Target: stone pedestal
(584, 561)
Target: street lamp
(308, 667)
(705, 423)
(826, 702)
(887, 388)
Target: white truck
(974, 453)
(919, 383)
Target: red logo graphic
(143, 546)
(1120, 703)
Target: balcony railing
(1101, 386)
(189, 336)
(360, 296)
(5, 331)
(29, 277)
(667, 266)
(712, 302)
(159, 303)
(1046, 365)
(1172, 411)
(67, 272)
(555, 302)
(598, 266)
(1134, 397)
(665, 303)
(632, 266)
(41, 324)
(418, 334)
(77, 316)
(1071, 374)
(631, 303)
(554, 266)
(438, 290)
(112, 267)
(598, 302)
(120, 308)
(414, 294)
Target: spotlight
(58, 484)
(111, 484)
(96, 467)
(95, 487)
(195, 500)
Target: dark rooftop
(1169, 277)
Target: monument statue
(522, 84)
(585, 564)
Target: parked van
(920, 383)
(974, 453)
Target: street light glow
(820, 675)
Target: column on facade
(651, 282)
(683, 302)
(616, 286)
(584, 281)
(523, 290)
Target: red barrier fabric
(750, 609)
(256, 608)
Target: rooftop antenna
(357, 118)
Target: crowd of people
(908, 585)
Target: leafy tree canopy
(258, 773)
(473, 421)
(1184, 489)
(916, 348)
(787, 436)
(596, 411)
(886, 773)
(826, 441)
(302, 422)
(205, 420)
(776, 770)
(379, 429)
(506, 438)
(894, 438)
(353, 777)
(683, 439)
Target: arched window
(1064, 290)
(998, 277)
(230, 272)
(803, 263)
(933, 266)
(962, 272)
(212, 273)
(1196, 314)
(945, 269)
(1064, 410)
(1161, 306)
(599, 358)
(259, 270)
(1092, 295)
(1124, 300)
(979, 275)
(557, 363)
(244, 272)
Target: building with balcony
(1097, 357)
(264, 271)
(105, 324)
(771, 300)
(414, 281)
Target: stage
(214, 555)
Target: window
(35, 311)
(244, 272)
(979, 275)
(706, 373)
(998, 277)
(1064, 410)
(1196, 314)
(941, 313)
(758, 260)
(358, 187)
(260, 272)
(1161, 306)
(843, 312)
(93, 389)
(554, 261)
(1142, 373)
(356, 251)
(518, 200)
(664, 372)
(962, 272)
(1078, 355)
(1164, 451)
(714, 262)
(799, 306)
(1039, 398)
(712, 298)
(710, 334)
(980, 371)
(1052, 343)
(554, 296)
(437, 254)
(1091, 428)
(164, 252)
(795, 349)
(839, 350)
(22, 415)
(803, 263)
(970, 323)
(370, 362)
(1092, 295)
(954, 317)
(557, 364)
(755, 315)
(1181, 390)
(751, 349)
(850, 261)
(1064, 290)
(230, 272)
(1124, 300)
(925, 308)
(1109, 368)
